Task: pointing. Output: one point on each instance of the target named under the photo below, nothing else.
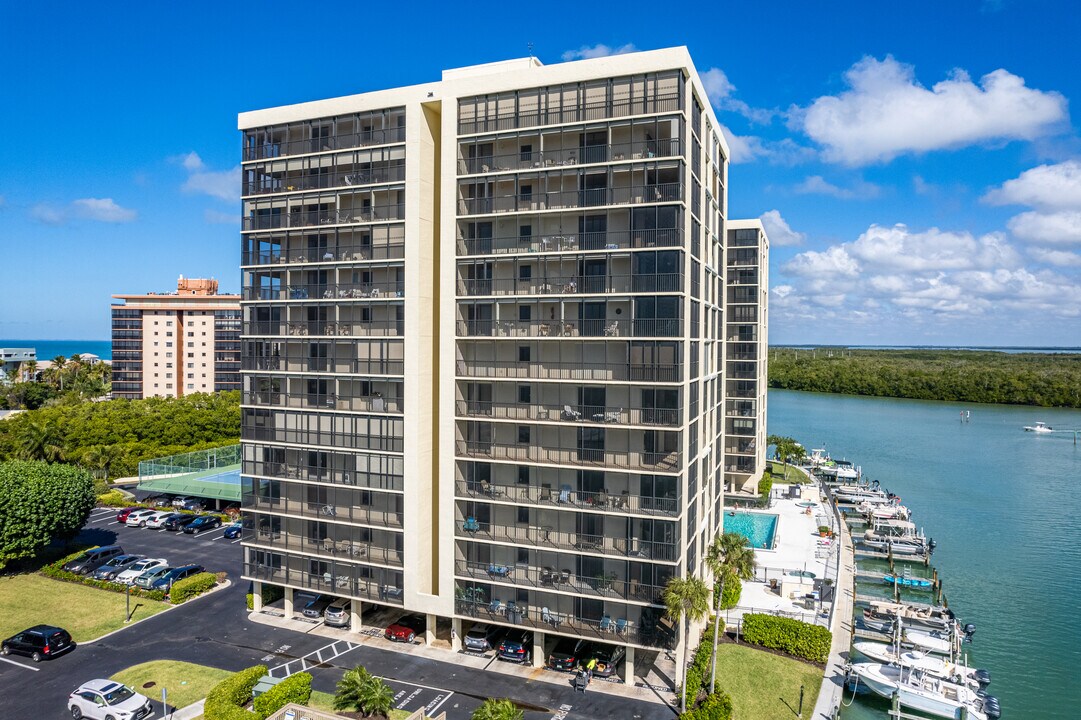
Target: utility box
(265, 683)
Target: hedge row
(227, 699)
(271, 593)
(698, 672)
(56, 571)
(192, 586)
(799, 639)
(113, 498)
(293, 689)
(717, 706)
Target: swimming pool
(760, 529)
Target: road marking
(412, 695)
(217, 538)
(562, 712)
(115, 522)
(338, 647)
(17, 664)
(429, 710)
(235, 541)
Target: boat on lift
(929, 617)
(940, 667)
(888, 510)
(1039, 427)
(920, 690)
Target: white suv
(101, 699)
(157, 520)
(127, 577)
(138, 518)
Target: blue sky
(918, 164)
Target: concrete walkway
(829, 697)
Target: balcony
(301, 362)
(664, 327)
(267, 182)
(561, 412)
(566, 498)
(251, 430)
(341, 550)
(568, 199)
(608, 240)
(585, 457)
(549, 578)
(324, 401)
(570, 371)
(328, 291)
(572, 284)
(329, 512)
(314, 218)
(338, 579)
(341, 253)
(376, 329)
(281, 148)
(579, 112)
(548, 538)
(316, 473)
(617, 152)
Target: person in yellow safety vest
(590, 666)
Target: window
(524, 394)
(523, 556)
(523, 434)
(525, 272)
(523, 517)
(523, 474)
(525, 313)
(526, 152)
(523, 353)
(191, 333)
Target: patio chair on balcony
(565, 493)
(606, 624)
(612, 416)
(548, 617)
(612, 329)
(328, 545)
(471, 525)
(496, 607)
(621, 626)
(570, 413)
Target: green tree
(686, 599)
(727, 556)
(40, 502)
(361, 691)
(38, 440)
(497, 709)
(56, 372)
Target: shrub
(271, 593)
(717, 706)
(227, 699)
(189, 587)
(40, 502)
(733, 589)
(293, 689)
(698, 672)
(114, 498)
(56, 571)
(765, 485)
(799, 639)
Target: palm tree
(37, 440)
(686, 599)
(360, 690)
(58, 370)
(101, 458)
(29, 371)
(728, 554)
(493, 709)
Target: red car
(122, 516)
(406, 628)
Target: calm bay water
(1005, 508)
(48, 349)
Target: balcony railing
(503, 162)
(359, 514)
(565, 199)
(343, 550)
(324, 437)
(269, 182)
(608, 240)
(573, 412)
(301, 363)
(391, 328)
(311, 218)
(552, 579)
(573, 371)
(351, 478)
(665, 327)
(338, 142)
(338, 580)
(328, 291)
(573, 285)
(567, 498)
(328, 401)
(587, 457)
(546, 537)
(341, 253)
(583, 112)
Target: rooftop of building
(186, 287)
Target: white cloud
(817, 185)
(102, 210)
(832, 263)
(1051, 228)
(222, 184)
(719, 90)
(885, 112)
(1052, 187)
(748, 148)
(48, 214)
(595, 51)
(1058, 258)
(885, 249)
(192, 161)
(217, 217)
(778, 230)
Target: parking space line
(18, 664)
(318, 654)
(235, 541)
(429, 710)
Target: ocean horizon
(48, 349)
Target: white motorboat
(1039, 427)
(929, 617)
(935, 666)
(885, 510)
(921, 691)
(861, 494)
(908, 547)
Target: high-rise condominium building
(176, 343)
(485, 346)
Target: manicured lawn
(186, 682)
(325, 701)
(85, 612)
(793, 476)
(765, 686)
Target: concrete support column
(628, 666)
(538, 649)
(288, 603)
(256, 595)
(429, 629)
(456, 634)
(355, 621)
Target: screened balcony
(323, 539)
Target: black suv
(517, 646)
(178, 521)
(91, 560)
(41, 642)
(565, 654)
(203, 522)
